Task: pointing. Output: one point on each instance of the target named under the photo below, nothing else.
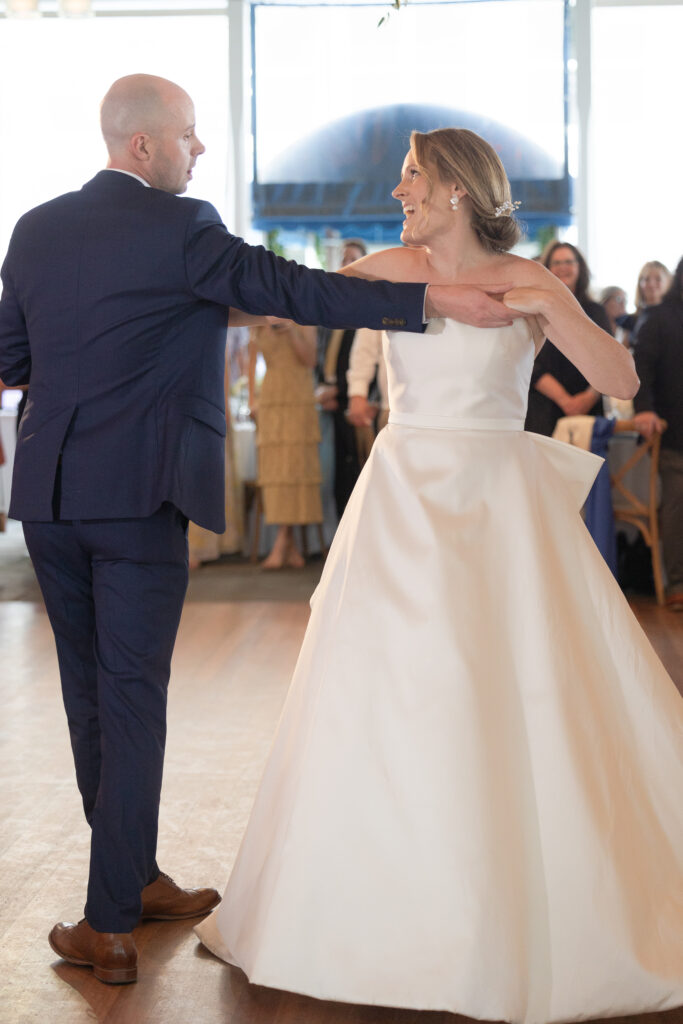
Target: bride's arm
(605, 364)
(476, 304)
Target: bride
(473, 801)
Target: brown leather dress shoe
(674, 602)
(163, 900)
(112, 955)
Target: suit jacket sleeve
(15, 355)
(225, 269)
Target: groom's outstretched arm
(224, 269)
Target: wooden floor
(231, 670)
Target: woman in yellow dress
(288, 434)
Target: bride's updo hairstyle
(459, 156)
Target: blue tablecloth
(598, 508)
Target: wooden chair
(628, 508)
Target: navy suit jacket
(115, 307)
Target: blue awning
(342, 175)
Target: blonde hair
(644, 271)
(457, 155)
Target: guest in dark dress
(659, 362)
(557, 387)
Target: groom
(115, 305)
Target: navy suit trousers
(114, 592)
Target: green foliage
(320, 250)
(545, 235)
(274, 244)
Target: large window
(328, 84)
(636, 210)
(336, 96)
(53, 73)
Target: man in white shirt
(367, 365)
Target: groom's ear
(139, 145)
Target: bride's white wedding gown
(474, 801)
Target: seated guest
(557, 387)
(659, 363)
(288, 435)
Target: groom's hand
(478, 305)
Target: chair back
(628, 506)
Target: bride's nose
(398, 191)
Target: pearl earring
(454, 200)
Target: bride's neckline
(437, 325)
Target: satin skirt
(473, 800)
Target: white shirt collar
(130, 175)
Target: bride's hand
(477, 305)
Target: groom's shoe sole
(180, 917)
(112, 956)
(163, 900)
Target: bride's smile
(426, 204)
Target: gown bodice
(455, 374)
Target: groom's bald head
(148, 127)
(137, 103)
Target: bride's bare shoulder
(399, 264)
(528, 273)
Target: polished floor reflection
(230, 676)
